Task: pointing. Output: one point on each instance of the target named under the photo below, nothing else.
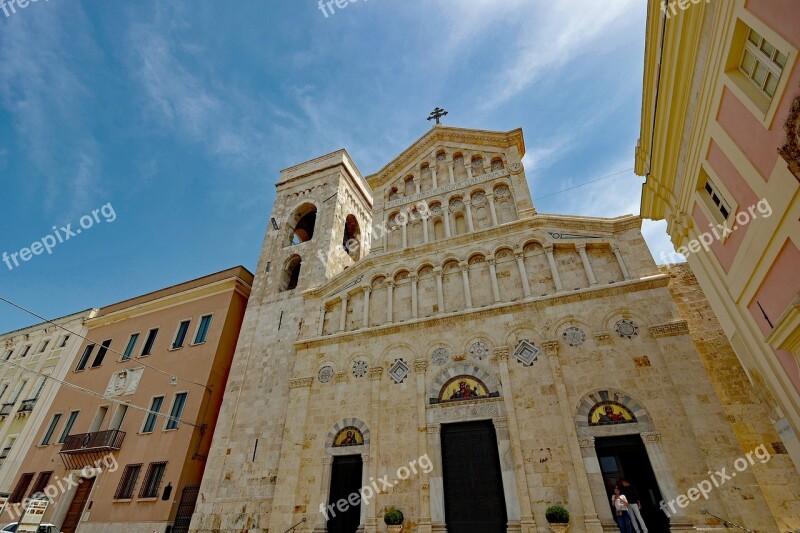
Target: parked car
(43, 528)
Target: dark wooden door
(473, 484)
(345, 480)
(76, 506)
(626, 457)
(183, 518)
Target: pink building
(720, 147)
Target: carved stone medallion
(626, 328)
(325, 374)
(574, 336)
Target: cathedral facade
(423, 340)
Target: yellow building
(28, 356)
(721, 93)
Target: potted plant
(558, 518)
(393, 519)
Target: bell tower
(319, 225)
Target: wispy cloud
(42, 89)
(549, 35)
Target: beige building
(30, 356)
(423, 339)
(123, 446)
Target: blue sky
(181, 115)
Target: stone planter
(558, 528)
(394, 529)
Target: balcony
(27, 406)
(6, 409)
(84, 449)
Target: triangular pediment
(440, 136)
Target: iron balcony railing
(7, 408)
(27, 405)
(93, 442)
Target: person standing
(634, 505)
(620, 504)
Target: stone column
(658, 460)
(435, 478)
(385, 236)
(424, 525)
(414, 302)
(446, 215)
(468, 205)
(587, 266)
(390, 302)
(417, 182)
(343, 316)
(620, 261)
(365, 320)
(468, 165)
(405, 233)
(434, 175)
(327, 468)
(425, 229)
(553, 268)
(590, 518)
(492, 209)
(375, 374)
(364, 509)
(450, 165)
(595, 475)
(286, 485)
(439, 292)
(527, 522)
(523, 273)
(493, 277)
(510, 488)
(465, 279)
(321, 328)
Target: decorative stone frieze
(680, 327)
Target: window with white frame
(714, 198)
(180, 335)
(762, 63)
(43, 346)
(202, 329)
(130, 347)
(51, 429)
(177, 410)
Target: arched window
(351, 241)
(303, 221)
(291, 273)
(410, 187)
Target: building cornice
(606, 227)
(442, 134)
(236, 285)
(538, 303)
(45, 328)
